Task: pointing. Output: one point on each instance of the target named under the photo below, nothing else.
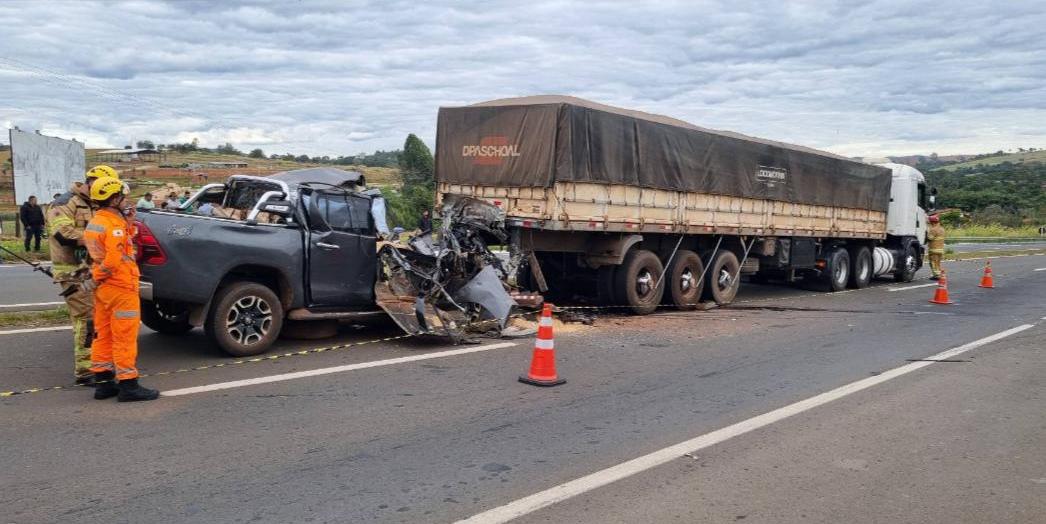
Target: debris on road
(449, 283)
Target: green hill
(1013, 158)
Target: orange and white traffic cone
(941, 295)
(987, 280)
(543, 363)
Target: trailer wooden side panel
(575, 206)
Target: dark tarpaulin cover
(536, 141)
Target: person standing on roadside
(935, 245)
(32, 217)
(67, 217)
(146, 202)
(425, 224)
(117, 310)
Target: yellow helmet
(100, 171)
(105, 187)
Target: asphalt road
(453, 436)
(22, 289)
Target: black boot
(131, 391)
(86, 380)
(105, 385)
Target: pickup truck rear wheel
(637, 281)
(165, 318)
(245, 319)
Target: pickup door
(342, 251)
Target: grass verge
(993, 254)
(31, 319)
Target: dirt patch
(558, 326)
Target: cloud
(334, 77)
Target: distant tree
(228, 149)
(145, 144)
(416, 163)
(301, 158)
(127, 147)
(257, 153)
(274, 156)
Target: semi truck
(631, 209)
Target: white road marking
(31, 304)
(910, 287)
(35, 330)
(601, 478)
(1041, 269)
(335, 369)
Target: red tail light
(149, 250)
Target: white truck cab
(909, 202)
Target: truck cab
(909, 202)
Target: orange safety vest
(110, 241)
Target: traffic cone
(543, 363)
(941, 296)
(987, 280)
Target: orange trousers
(116, 315)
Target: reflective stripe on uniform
(130, 313)
(97, 228)
(126, 371)
(60, 221)
(104, 366)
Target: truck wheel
(723, 278)
(860, 267)
(245, 319)
(165, 318)
(606, 282)
(683, 284)
(837, 269)
(909, 265)
(636, 281)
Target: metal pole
(743, 260)
(668, 264)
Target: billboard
(44, 165)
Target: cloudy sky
(343, 77)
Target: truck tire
(723, 278)
(860, 267)
(909, 265)
(636, 281)
(683, 284)
(165, 318)
(836, 274)
(606, 286)
(245, 319)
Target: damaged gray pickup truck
(256, 255)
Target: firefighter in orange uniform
(108, 238)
